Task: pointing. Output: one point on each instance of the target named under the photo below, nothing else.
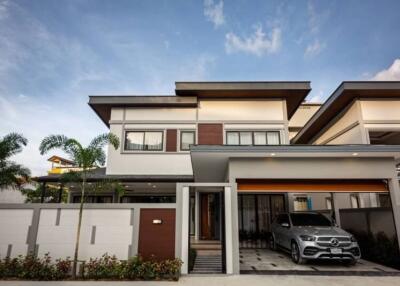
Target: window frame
(253, 137)
(180, 139)
(144, 140)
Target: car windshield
(303, 219)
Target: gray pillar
(33, 232)
(336, 209)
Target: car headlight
(307, 238)
(353, 239)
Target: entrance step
(207, 264)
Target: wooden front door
(209, 216)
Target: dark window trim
(180, 138)
(144, 140)
(252, 137)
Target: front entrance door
(210, 216)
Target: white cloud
(214, 12)
(46, 77)
(390, 74)
(313, 17)
(257, 43)
(314, 49)
(317, 98)
(4, 4)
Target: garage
(361, 210)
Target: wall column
(228, 230)
(184, 237)
(336, 208)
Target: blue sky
(53, 54)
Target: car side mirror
(285, 224)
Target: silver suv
(311, 235)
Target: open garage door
(361, 207)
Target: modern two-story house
(229, 156)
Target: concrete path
(253, 280)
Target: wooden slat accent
(210, 134)
(313, 187)
(171, 144)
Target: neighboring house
(220, 154)
(61, 165)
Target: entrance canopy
(211, 162)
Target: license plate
(336, 251)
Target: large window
(187, 139)
(257, 138)
(144, 140)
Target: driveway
(267, 261)
(236, 280)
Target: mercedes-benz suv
(311, 235)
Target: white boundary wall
(51, 228)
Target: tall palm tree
(11, 173)
(86, 158)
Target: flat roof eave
(294, 92)
(102, 104)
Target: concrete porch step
(207, 264)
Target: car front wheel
(295, 253)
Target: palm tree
(86, 158)
(11, 173)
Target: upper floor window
(188, 138)
(144, 140)
(252, 138)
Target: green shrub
(33, 268)
(104, 268)
(108, 267)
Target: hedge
(104, 268)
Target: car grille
(328, 238)
(325, 241)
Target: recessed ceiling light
(154, 186)
(149, 184)
(273, 154)
(355, 154)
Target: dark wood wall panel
(312, 186)
(157, 240)
(210, 134)
(171, 143)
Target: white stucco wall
(234, 114)
(113, 233)
(384, 110)
(14, 227)
(302, 115)
(236, 110)
(336, 133)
